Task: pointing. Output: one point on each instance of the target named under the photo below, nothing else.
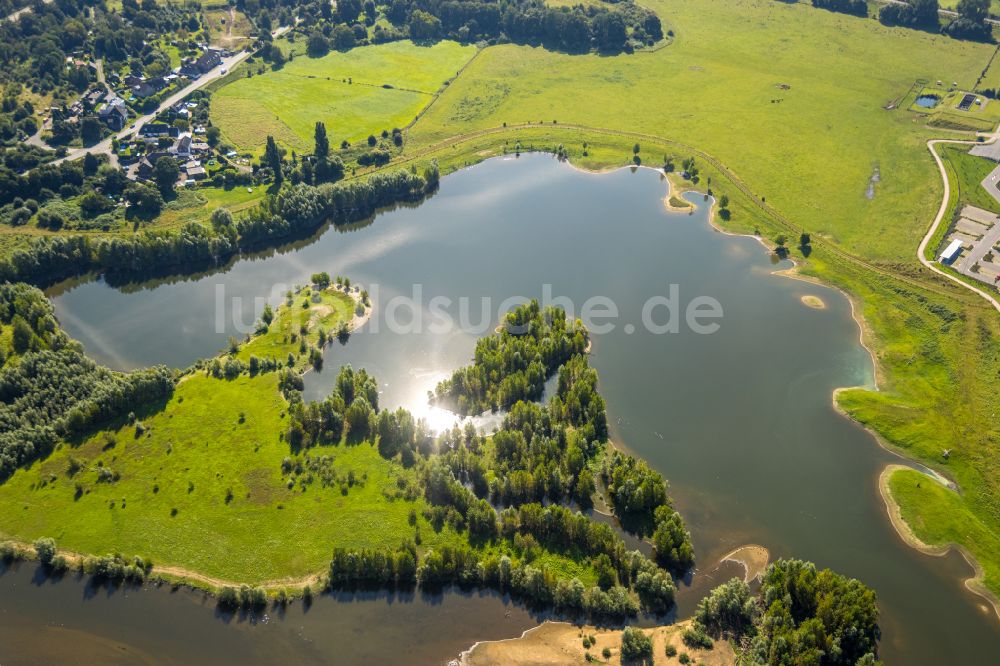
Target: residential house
(114, 113)
(158, 130)
(149, 87)
(209, 60)
(182, 146)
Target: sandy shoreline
(556, 643)
(905, 532)
(753, 558)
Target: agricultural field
(356, 93)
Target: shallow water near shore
(739, 421)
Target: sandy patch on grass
(553, 643)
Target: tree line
(296, 210)
(579, 29)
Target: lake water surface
(739, 421)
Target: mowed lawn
(347, 91)
(809, 149)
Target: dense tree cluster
(815, 617)
(295, 210)
(514, 365)
(49, 389)
(972, 21)
(914, 14)
(639, 499)
(43, 189)
(729, 611)
(802, 616)
(465, 567)
(117, 569)
(855, 7)
(349, 411)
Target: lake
(740, 420)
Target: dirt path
(185, 576)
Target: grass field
(345, 90)
(938, 517)
(830, 125)
(213, 440)
(283, 336)
(230, 29)
(198, 205)
(969, 172)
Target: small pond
(928, 101)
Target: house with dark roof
(158, 129)
(182, 146)
(209, 60)
(114, 113)
(148, 88)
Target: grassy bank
(938, 518)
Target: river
(740, 420)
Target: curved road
(940, 216)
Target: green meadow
(939, 518)
(202, 489)
(356, 93)
(716, 87)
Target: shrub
(695, 637)
(45, 548)
(636, 644)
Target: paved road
(990, 183)
(922, 249)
